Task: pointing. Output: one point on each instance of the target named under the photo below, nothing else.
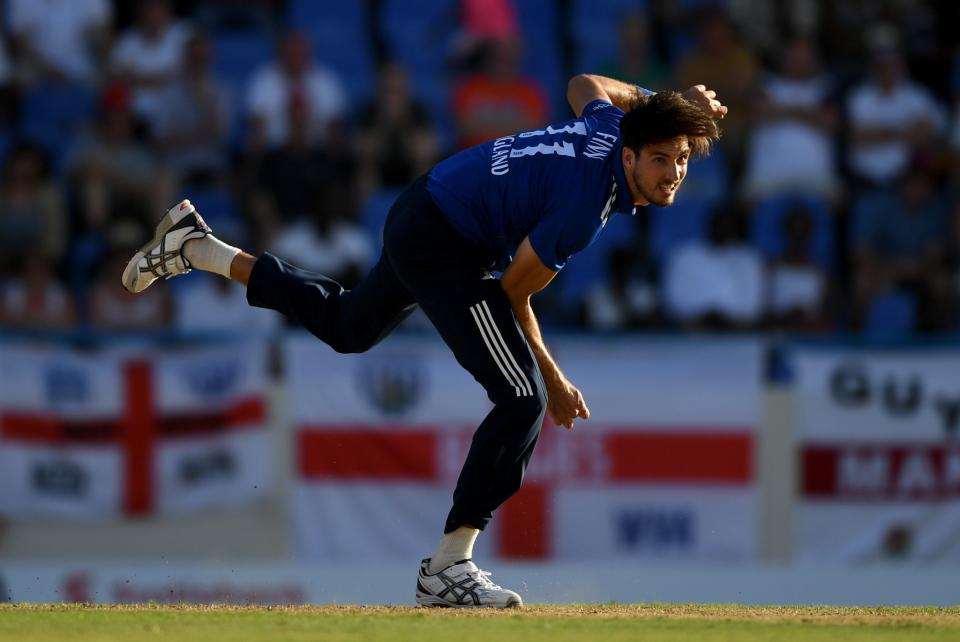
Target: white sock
(210, 254)
(454, 547)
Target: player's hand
(707, 100)
(565, 403)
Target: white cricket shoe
(163, 255)
(462, 585)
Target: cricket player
(520, 206)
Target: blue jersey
(557, 185)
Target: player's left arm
(525, 276)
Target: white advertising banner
(879, 455)
(664, 469)
(93, 435)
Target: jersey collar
(624, 202)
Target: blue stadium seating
(595, 28)
(684, 221)
(54, 115)
(419, 35)
(539, 25)
(236, 57)
(216, 205)
(892, 316)
(766, 231)
(865, 202)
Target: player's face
(656, 172)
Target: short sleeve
(602, 110)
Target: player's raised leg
(347, 320)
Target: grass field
(614, 622)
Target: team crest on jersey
(393, 384)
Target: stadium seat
(236, 56)
(540, 25)
(766, 230)
(54, 114)
(595, 29)
(419, 35)
(219, 209)
(892, 316)
(684, 221)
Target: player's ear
(629, 158)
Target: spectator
(308, 212)
(890, 116)
(716, 283)
(113, 172)
(798, 288)
(148, 57)
(194, 116)
(301, 175)
(497, 101)
(57, 40)
(791, 147)
(35, 299)
(723, 63)
(485, 20)
(638, 63)
(481, 21)
(113, 307)
(901, 244)
(396, 141)
(32, 215)
(293, 78)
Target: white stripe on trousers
(499, 351)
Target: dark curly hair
(664, 116)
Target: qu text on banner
(877, 433)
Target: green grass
(687, 623)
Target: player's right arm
(585, 88)
(525, 276)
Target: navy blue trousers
(426, 262)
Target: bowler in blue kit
(520, 206)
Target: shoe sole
(129, 272)
(433, 601)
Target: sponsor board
(879, 455)
(664, 469)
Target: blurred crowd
(830, 204)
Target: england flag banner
(664, 468)
(879, 455)
(101, 434)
